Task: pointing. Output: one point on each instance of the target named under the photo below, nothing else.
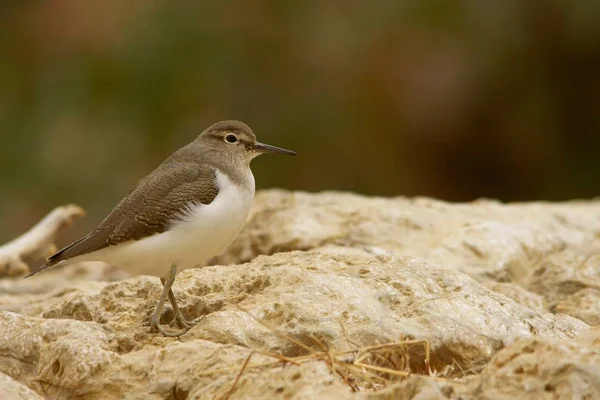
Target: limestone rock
(481, 238)
(570, 283)
(520, 249)
(487, 285)
(13, 390)
(94, 343)
(583, 304)
(519, 294)
(543, 369)
(413, 387)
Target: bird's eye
(231, 138)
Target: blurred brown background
(451, 99)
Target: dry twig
(355, 367)
(239, 375)
(38, 242)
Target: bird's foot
(181, 320)
(155, 326)
(184, 323)
(166, 316)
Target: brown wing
(148, 209)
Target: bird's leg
(155, 319)
(178, 315)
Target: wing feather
(148, 209)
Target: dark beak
(266, 148)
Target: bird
(189, 209)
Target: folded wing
(148, 209)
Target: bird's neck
(239, 175)
(238, 171)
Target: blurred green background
(451, 99)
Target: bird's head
(235, 141)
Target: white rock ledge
(506, 295)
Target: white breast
(199, 233)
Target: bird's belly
(203, 232)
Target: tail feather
(38, 269)
(48, 264)
(54, 259)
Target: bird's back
(148, 209)
(200, 233)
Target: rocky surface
(541, 368)
(505, 297)
(13, 390)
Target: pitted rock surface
(501, 292)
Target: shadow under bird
(186, 211)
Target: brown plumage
(157, 199)
(186, 211)
(149, 208)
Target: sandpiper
(186, 211)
